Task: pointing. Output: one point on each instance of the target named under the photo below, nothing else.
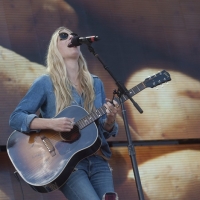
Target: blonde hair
(57, 71)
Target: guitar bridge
(48, 145)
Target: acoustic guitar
(46, 159)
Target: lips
(70, 43)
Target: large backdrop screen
(138, 39)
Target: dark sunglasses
(64, 36)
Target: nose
(70, 37)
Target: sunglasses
(64, 36)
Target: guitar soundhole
(71, 136)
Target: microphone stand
(122, 90)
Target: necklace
(74, 83)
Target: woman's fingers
(63, 124)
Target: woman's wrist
(108, 126)
(110, 123)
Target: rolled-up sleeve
(25, 112)
(108, 134)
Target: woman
(67, 83)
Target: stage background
(138, 39)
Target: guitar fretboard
(102, 110)
(133, 91)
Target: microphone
(77, 41)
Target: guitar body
(44, 160)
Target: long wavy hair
(57, 71)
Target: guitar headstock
(157, 79)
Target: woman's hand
(111, 111)
(62, 124)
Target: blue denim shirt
(41, 96)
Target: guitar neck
(138, 88)
(102, 110)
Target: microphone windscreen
(74, 42)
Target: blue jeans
(91, 179)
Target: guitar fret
(90, 118)
(141, 86)
(104, 109)
(81, 123)
(96, 112)
(86, 121)
(93, 116)
(103, 112)
(138, 88)
(132, 91)
(100, 111)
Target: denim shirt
(41, 97)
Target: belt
(99, 153)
